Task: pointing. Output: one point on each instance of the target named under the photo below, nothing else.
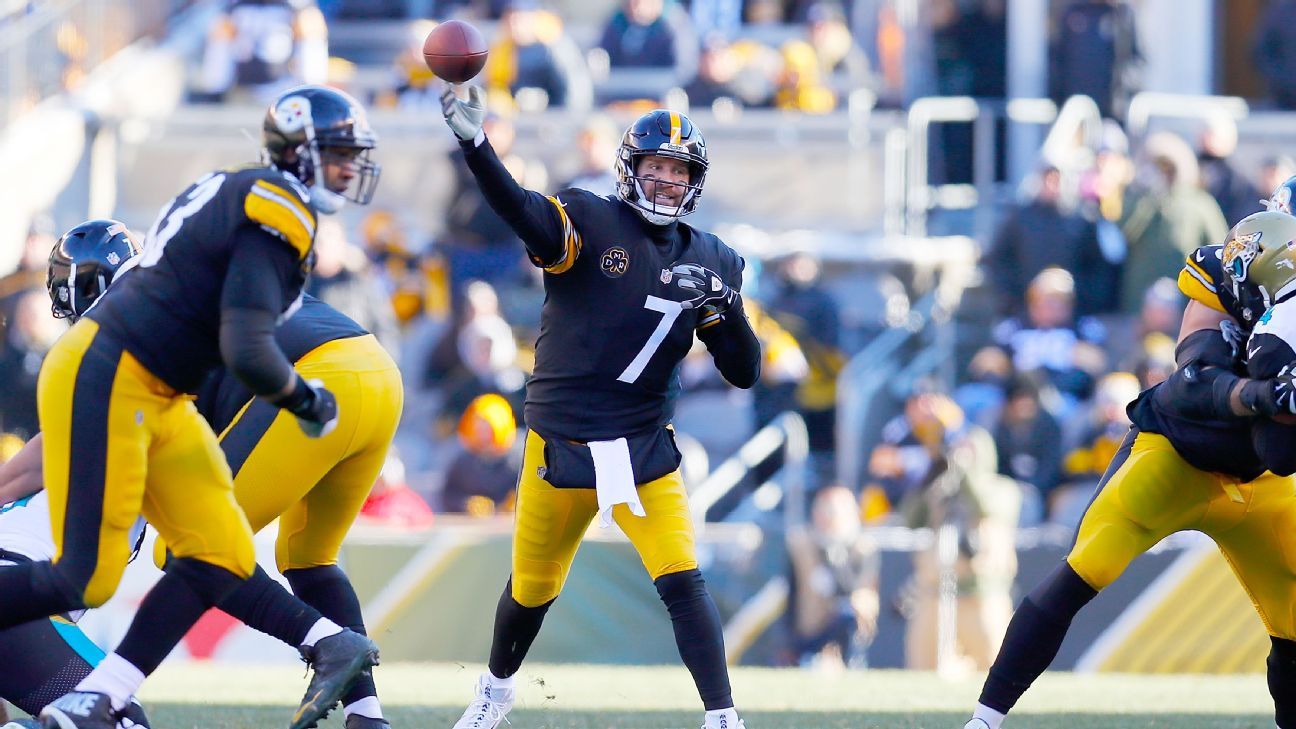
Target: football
(455, 51)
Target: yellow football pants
(1155, 493)
(316, 486)
(550, 522)
(119, 442)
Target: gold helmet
(1259, 252)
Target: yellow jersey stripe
(1200, 273)
(1198, 288)
(292, 199)
(279, 215)
(675, 128)
(571, 241)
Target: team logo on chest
(615, 262)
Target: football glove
(1234, 336)
(703, 287)
(1284, 390)
(464, 117)
(315, 407)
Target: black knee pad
(1282, 681)
(680, 587)
(1063, 593)
(212, 583)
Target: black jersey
(612, 331)
(167, 312)
(1223, 446)
(314, 324)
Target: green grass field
(425, 696)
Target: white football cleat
(720, 722)
(488, 710)
(976, 724)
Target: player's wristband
(299, 400)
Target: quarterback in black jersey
(627, 286)
(223, 263)
(1204, 453)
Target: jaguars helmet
(1281, 199)
(665, 134)
(83, 262)
(1259, 252)
(308, 125)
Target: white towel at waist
(614, 478)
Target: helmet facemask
(660, 134)
(345, 143)
(1258, 253)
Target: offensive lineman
(225, 260)
(1197, 457)
(316, 486)
(627, 285)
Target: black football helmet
(665, 134)
(308, 125)
(83, 262)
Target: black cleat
(355, 721)
(338, 661)
(80, 710)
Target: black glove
(1276, 396)
(315, 407)
(703, 287)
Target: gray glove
(703, 287)
(464, 117)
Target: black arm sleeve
(534, 217)
(257, 285)
(1273, 443)
(734, 347)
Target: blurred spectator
(342, 279)
(478, 244)
(717, 72)
(959, 487)
(392, 502)
(902, 460)
(1095, 53)
(264, 47)
(842, 61)
(1103, 186)
(33, 264)
(1159, 317)
(596, 144)
(1273, 51)
(411, 86)
(485, 356)
(531, 51)
(801, 86)
(1236, 195)
(417, 285)
(1155, 360)
(1273, 171)
(1052, 340)
(721, 19)
(29, 335)
(1165, 217)
(1048, 231)
(969, 48)
(783, 367)
(1084, 466)
(982, 396)
(802, 305)
(833, 596)
(640, 35)
(1028, 438)
(482, 477)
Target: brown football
(455, 51)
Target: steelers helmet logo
(293, 113)
(615, 262)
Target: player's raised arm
(724, 328)
(540, 221)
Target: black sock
(34, 590)
(698, 634)
(1282, 681)
(328, 590)
(516, 627)
(1034, 637)
(264, 605)
(170, 609)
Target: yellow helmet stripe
(675, 127)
